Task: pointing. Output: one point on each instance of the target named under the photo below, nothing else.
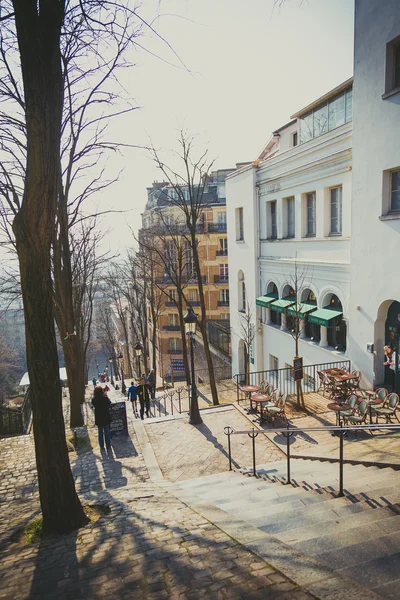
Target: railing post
(253, 434)
(228, 431)
(288, 455)
(341, 463)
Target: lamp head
(190, 320)
(138, 349)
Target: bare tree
(188, 195)
(247, 332)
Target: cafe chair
(360, 414)
(352, 402)
(269, 390)
(389, 408)
(322, 382)
(278, 410)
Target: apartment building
(160, 218)
(374, 310)
(291, 210)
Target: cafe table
(248, 390)
(259, 399)
(337, 408)
(371, 402)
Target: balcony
(221, 278)
(165, 280)
(222, 253)
(170, 303)
(223, 302)
(171, 328)
(174, 351)
(216, 227)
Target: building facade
(213, 255)
(374, 309)
(289, 225)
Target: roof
(326, 96)
(62, 371)
(284, 126)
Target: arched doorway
(392, 328)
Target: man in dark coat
(143, 391)
(102, 417)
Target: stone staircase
(358, 535)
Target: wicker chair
(322, 382)
(278, 410)
(343, 414)
(389, 408)
(361, 415)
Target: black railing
(223, 303)
(15, 421)
(221, 278)
(175, 351)
(283, 379)
(222, 253)
(288, 431)
(171, 327)
(217, 227)
(219, 335)
(193, 302)
(172, 401)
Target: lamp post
(138, 350)
(190, 320)
(111, 371)
(123, 386)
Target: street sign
(119, 423)
(298, 368)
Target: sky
(238, 71)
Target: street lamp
(110, 360)
(123, 386)
(190, 320)
(138, 350)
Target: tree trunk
(76, 382)
(39, 46)
(203, 321)
(183, 338)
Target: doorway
(392, 327)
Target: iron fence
(288, 431)
(284, 378)
(15, 421)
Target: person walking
(101, 404)
(143, 391)
(151, 378)
(132, 396)
(94, 381)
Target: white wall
(375, 245)
(241, 192)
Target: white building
(374, 309)
(293, 207)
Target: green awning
(303, 309)
(265, 301)
(322, 316)
(280, 305)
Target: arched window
(312, 330)
(290, 294)
(241, 292)
(275, 316)
(337, 326)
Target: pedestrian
(102, 416)
(106, 390)
(144, 392)
(151, 378)
(390, 362)
(132, 396)
(94, 381)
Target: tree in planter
(188, 196)
(297, 280)
(247, 332)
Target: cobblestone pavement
(150, 546)
(185, 452)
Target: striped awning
(265, 301)
(302, 309)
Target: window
(224, 297)
(392, 80)
(175, 345)
(336, 211)
(271, 221)
(310, 215)
(193, 296)
(294, 139)
(223, 272)
(172, 320)
(239, 225)
(223, 247)
(221, 218)
(224, 316)
(395, 191)
(327, 116)
(171, 253)
(243, 298)
(290, 217)
(171, 295)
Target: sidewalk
(151, 545)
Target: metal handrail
(289, 431)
